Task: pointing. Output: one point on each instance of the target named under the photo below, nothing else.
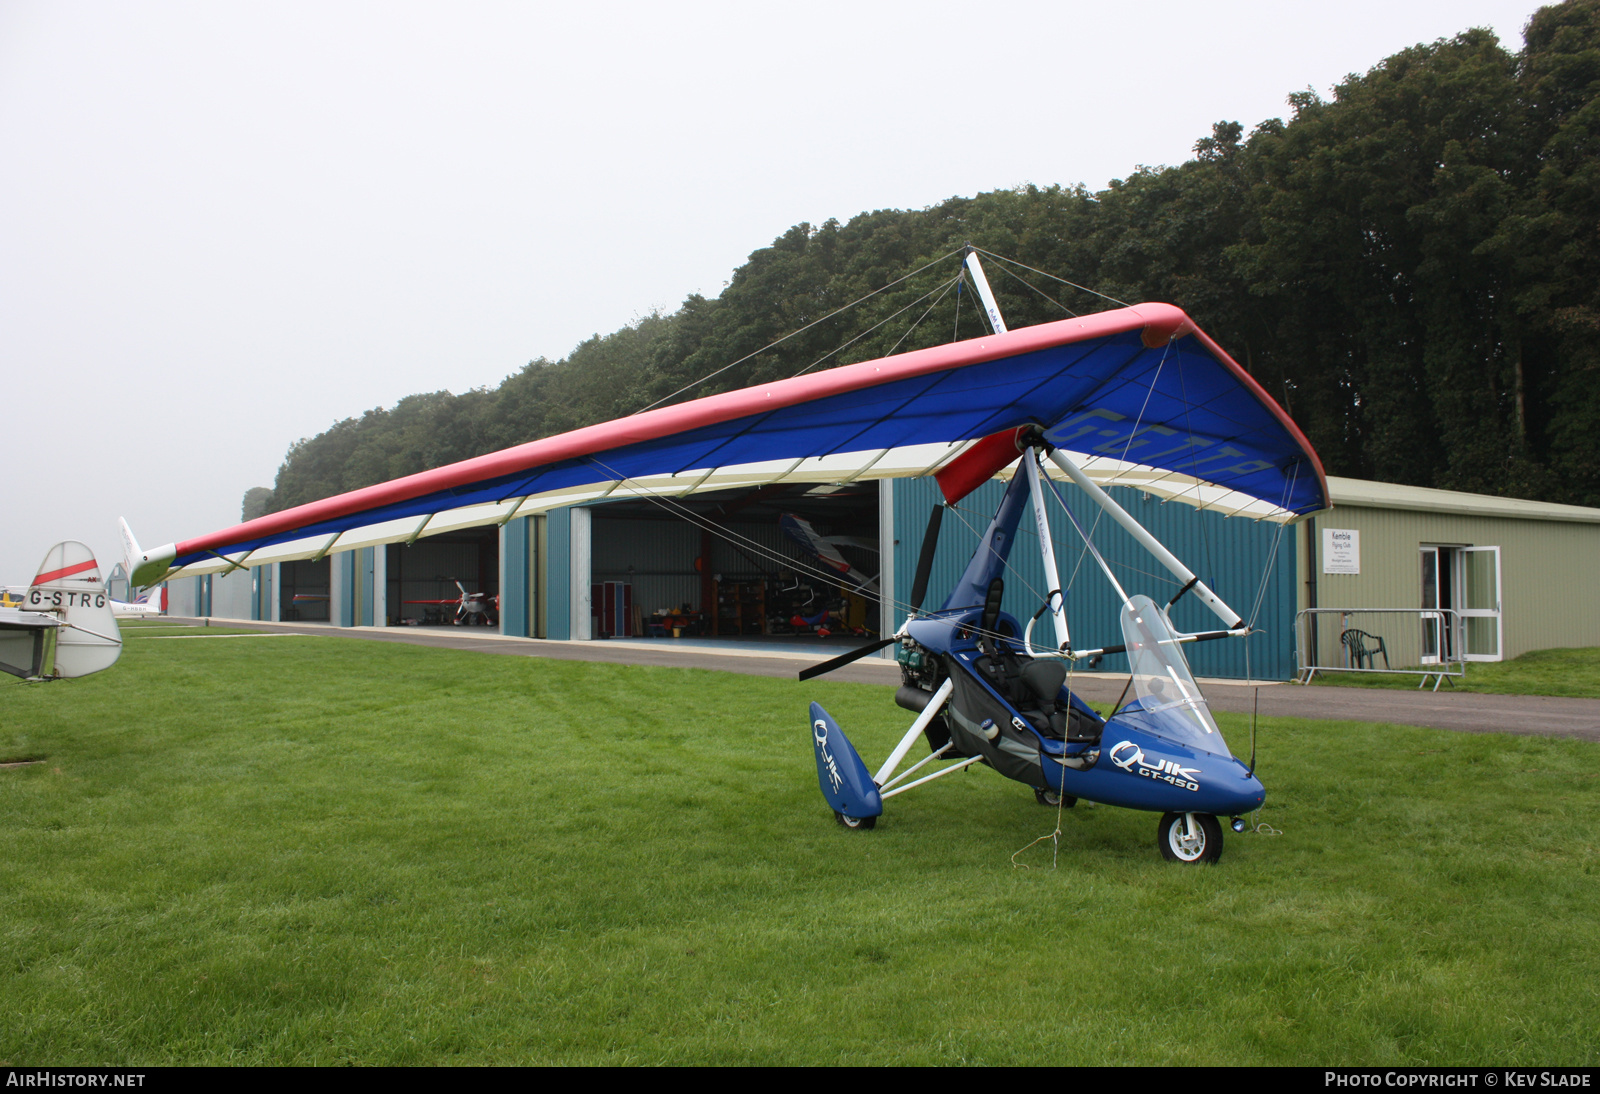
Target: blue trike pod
(844, 779)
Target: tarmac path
(1521, 714)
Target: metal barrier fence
(1418, 642)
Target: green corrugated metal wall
(558, 578)
(514, 592)
(1231, 555)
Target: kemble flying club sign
(1341, 551)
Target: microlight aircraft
(825, 549)
(1135, 396)
(470, 607)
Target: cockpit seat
(1040, 683)
(1044, 680)
(1033, 687)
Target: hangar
(662, 523)
(719, 565)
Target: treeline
(1412, 268)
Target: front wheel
(856, 822)
(1182, 842)
(1053, 799)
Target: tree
(1411, 266)
(255, 503)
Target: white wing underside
(910, 461)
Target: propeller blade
(844, 659)
(930, 543)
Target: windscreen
(1162, 683)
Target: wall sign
(1341, 551)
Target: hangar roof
(1387, 495)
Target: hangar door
(427, 580)
(796, 562)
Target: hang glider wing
(1140, 396)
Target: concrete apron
(1528, 715)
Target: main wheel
(1177, 845)
(856, 822)
(1053, 799)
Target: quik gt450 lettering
(1131, 758)
(819, 733)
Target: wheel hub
(1188, 839)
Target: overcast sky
(225, 226)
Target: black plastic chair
(1364, 648)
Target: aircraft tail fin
(68, 586)
(844, 779)
(130, 546)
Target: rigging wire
(945, 292)
(1005, 563)
(1088, 543)
(884, 599)
(1085, 537)
(1277, 540)
(1061, 795)
(1188, 425)
(798, 330)
(1266, 577)
(1053, 277)
(945, 287)
(961, 287)
(1025, 283)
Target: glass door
(1433, 630)
(1480, 603)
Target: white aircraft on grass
(65, 627)
(152, 601)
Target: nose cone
(1246, 792)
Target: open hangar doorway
(759, 566)
(304, 588)
(452, 579)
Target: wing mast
(985, 294)
(1157, 549)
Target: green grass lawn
(1573, 673)
(326, 850)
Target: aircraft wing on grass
(1139, 396)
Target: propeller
(919, 589)
(930, 544)
(844, 659)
